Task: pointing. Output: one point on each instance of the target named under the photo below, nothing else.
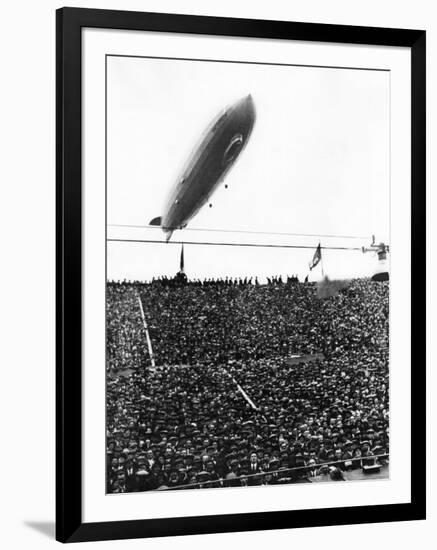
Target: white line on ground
(240, 389)
(149, 342)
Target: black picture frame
(69, 524)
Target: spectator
(188, 422)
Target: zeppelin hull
(221, 145)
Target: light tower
(381, 249)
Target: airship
(220, 145)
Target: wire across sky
(246, 231)
(253, 245)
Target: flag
(316, 258)
(181, 269)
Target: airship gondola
(221, 144)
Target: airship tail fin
(155, 221)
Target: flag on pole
(316, 258)
(181, 269)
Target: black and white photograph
(247, 274)
(217, 274)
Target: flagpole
(182, 260)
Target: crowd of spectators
(224, 406)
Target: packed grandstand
(250, 384)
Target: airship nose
(247, 106)
(248, 100)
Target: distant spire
(182, 267)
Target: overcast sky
(317, 163)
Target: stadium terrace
(223, 404)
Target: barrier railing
(281, 471)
